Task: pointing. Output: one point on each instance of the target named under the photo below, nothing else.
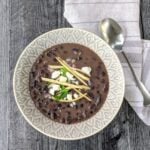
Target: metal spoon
(112, 33)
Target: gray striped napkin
(86, 14)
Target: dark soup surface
(68, 83)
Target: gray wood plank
(21, 135)
(139, 132)
(28, 20)
(145, 19)
(4, 73)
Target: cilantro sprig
(63, 71)
(62, 93)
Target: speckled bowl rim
(120, 80)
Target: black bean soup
(77, 56)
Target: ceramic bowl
(85, 128)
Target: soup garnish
(65, 79)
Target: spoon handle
(142, 88)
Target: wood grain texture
(145, 19)
(20, 22)
(4, 73)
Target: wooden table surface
(20, 22)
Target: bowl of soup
(68, 84)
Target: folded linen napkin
(86, 14)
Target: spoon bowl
(112, 33)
